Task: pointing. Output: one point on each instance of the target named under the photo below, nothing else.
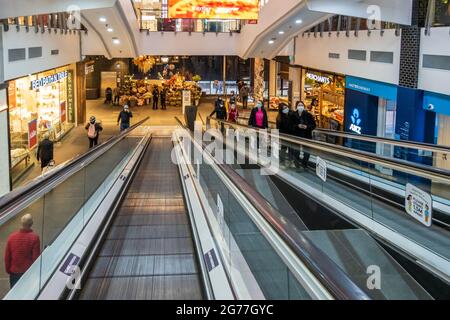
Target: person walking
(108, 95)
(303, 124)
(116, 93)
(244, 95)
(155, 94)
(258, 119)
(124, 118)
(45, 151)
(23, 247)
(163, 98)
(93, 128)
(232, 98)
(233, 114)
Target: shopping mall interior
(225, 150)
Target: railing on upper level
(438, 14)
(350, 25)
(63, 21)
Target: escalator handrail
(324, 269)
(413, 168)
(15, 199)
(390, 141)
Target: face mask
(259, 105)
(286, 111)
(300, 108)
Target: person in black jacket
(220, 111)
(284, 126)
(45, 151)
(303, 124)
(155, 94)
(124, 118)
(163, 98)
(93, 128)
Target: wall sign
(70, 98)
(42, 82)
(373, 88)
(436, 102)
(89, 68)
(356, 122)
(12, 101)
(419, 204)
(318, 78)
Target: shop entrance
(443, 161)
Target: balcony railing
(63, 22)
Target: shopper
(155, 98)
(124, 118)
(108, 95)
(284, 126)
(45, 151)
(22, 249)
(220, 111)
(303, 125)
(93, 128)
(116, 93)
(232, 98)
(244, 95)
(233, 114)
(258, 119)
(163, 98)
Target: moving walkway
(366, 191)
(139, 218)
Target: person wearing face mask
(93, 128)
(284, 126)
(258, 119)
(303, 124)
(220, 111)
(233, 114)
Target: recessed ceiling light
(281, 32)
(116, 41)
(110, 29)
(271, 42)
(298, 21)
(102, 19)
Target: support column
(258, 90)
(295, 75)
(80, 90)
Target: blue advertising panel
(373, 88)
(436, 102)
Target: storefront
(440, 104)
(325, 94)
(39, 104)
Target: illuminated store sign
(42, 82)
(356, 121)
(318, 78)
(214, 9)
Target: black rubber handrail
(395, 142)
(15, 198)
(424, 171)
(335, 280)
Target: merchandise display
(325, 94)
(39, 110)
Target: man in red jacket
(22, 249)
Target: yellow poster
(214, 9)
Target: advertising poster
(186, 99)
(419, 204)
(70, 98)
(12, 94)
(63, 114)
(214, 9)
(32, 134)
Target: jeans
(14, 278)
(245, 102)
(124, 126)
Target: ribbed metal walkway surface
(148, 253)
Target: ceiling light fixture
(298, 21)
(281, 32)
(116, 41)
(271, 42)
(102, 19)
(110, 30)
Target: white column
(4, 145)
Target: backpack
(92, 133)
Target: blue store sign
(373, 88)
(436, 102)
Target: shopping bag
(49, 167)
